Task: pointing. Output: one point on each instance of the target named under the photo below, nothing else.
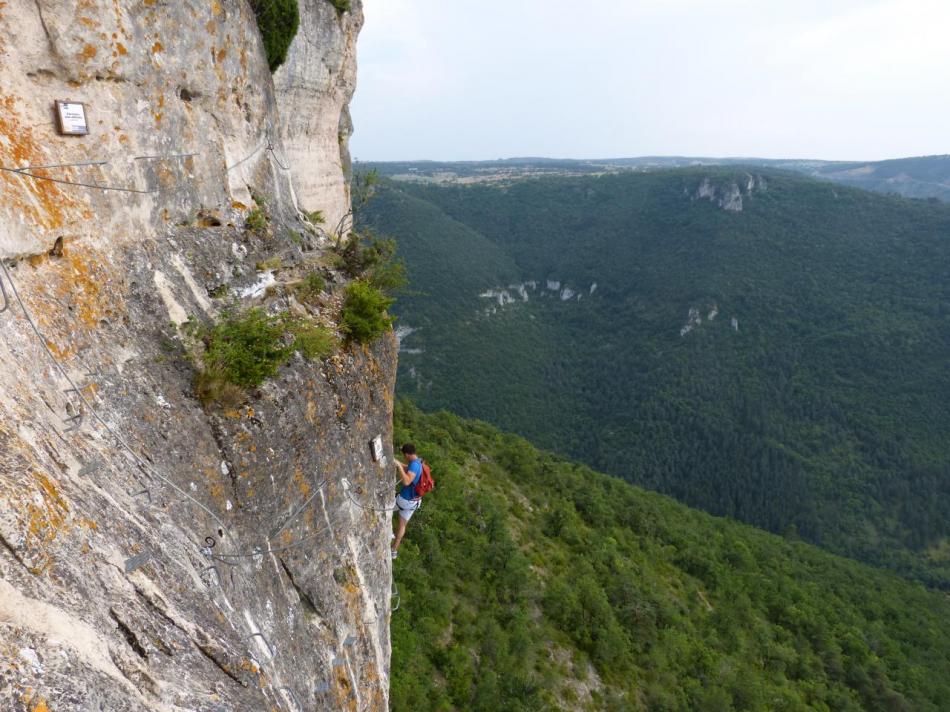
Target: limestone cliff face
(314, 88)
(155, 555)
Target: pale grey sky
(484, 79)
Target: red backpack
(425, 484)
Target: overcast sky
(484, 79)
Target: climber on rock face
(408, 500)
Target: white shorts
(406, 507)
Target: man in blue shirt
(407, 501)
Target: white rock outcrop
(314, 87)
(728, 195)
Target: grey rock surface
(314, 87)
(154, 554)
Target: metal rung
(76, 423)
(321, 688)
(146, 491)
(338, 662)
(350, 639)
(136, 561)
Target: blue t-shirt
(408, 492)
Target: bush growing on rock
(243, 350)
(278, 21)
(363, 255)
(364, 312)
(257, 220)
(313, 341)
(310, 287)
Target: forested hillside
(751, 342)
(528, 582)
(917, 177)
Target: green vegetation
(315, 217)
(242, 350)
(363, 255)
(271, 263)
(258, 220)
(278, 21)
(313, 341)
(341, 5)
(822, 414)
(364, 312)
(310, 287)
(922, 177)
(527, 580)
(371, 262)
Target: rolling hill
(917, 177)
(752, 342)
(528, 582)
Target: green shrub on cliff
(243, 350)
(364, 312)
(278, 21)
(364, 255)
(341, 5)
(246, 348)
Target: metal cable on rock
(119, 439)
(23, 172)
(247, 157)
(143, 464)
(300, 509)
(165, 156)
(270, 147)
(369, 507)
(269, 550)
(3, 293)
(60, 165)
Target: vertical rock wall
(155, 555)
(314, 88)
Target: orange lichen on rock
(40, 202)
(120, 48)
(88, 52)
(79, 278)
(33, 702)
(302, 485)
(86, 285)
(158, 47)
(48, 514)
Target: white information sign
(377, 446)
(72, 118)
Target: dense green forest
(528, 582)
(786, 364)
